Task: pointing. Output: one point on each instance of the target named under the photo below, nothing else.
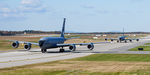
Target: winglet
(63, 28)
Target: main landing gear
(43, 50)
(118, 41)
(130, 40)
(62, 49)
(125, 41)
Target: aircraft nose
(41, 42)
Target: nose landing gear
(43, 50)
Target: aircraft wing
(131, 39)
(114, 39)
(23, 42)
(81, 44)
(111, 38)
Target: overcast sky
(82, 15)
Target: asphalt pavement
(23, 57)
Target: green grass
(33, 72)
(6, 45)
(30, 70)
(115, 57)
(146, 48)
(147, 44)
(64, 72)
(70, 72)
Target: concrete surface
(22, 57)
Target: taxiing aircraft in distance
(122, 38)
(54, 42)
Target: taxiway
(22, 57)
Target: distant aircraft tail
(123, 31)
(63, 28)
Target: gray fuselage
(51, 42)
(122, 38)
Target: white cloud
(31, 3)
(6, 13)
(102, 11)
(88, 6)
(32, 6)
(26, 6)
(25, 9)
(6, 10)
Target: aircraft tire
(117, 41)
(125, 41)
(130, 40)
(61, 50)
(43, 50)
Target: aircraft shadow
(58, 52)
(66, 51)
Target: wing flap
(81, 44)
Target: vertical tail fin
(123, 31)
(63, 28)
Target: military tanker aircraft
(54, 42)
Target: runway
(22, 57)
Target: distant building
(25, 32)
(68, 34)
(95, 37)
(104, 35)
(98, 35)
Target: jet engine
(15, 44)
(90, 46)
(137, 39)
(72, 47)
(27, 46)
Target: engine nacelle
(90, 46)
(27, 46)
(15, 44)
(137, 39)
(72, 47)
